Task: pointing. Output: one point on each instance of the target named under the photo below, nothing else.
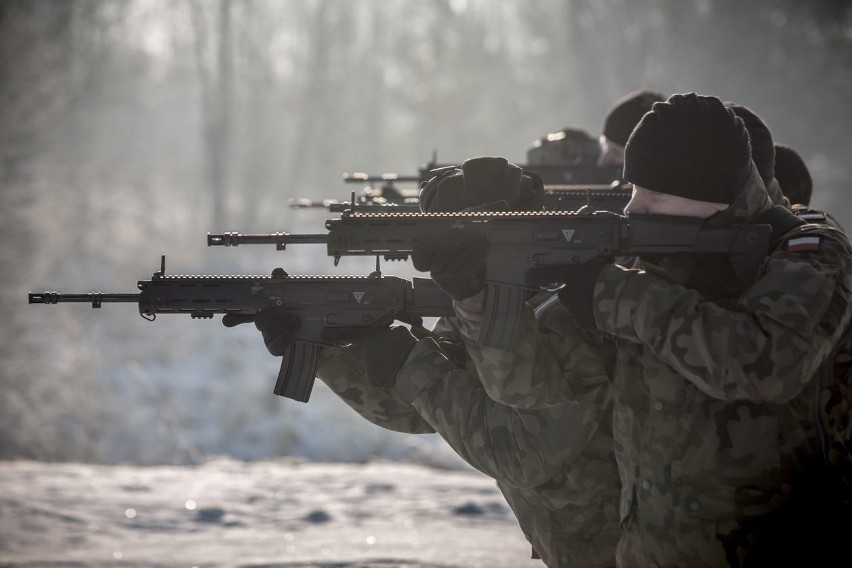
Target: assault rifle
(566, 188)
(557, 197)
(551, 174)
(370, 197)
(333, 310)
(527, 250)
(596, 197)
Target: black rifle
(550, 174)
(333, 310)
(528, 250)
(566, 188)
(601, 197)
(557, 197)
(387, 194)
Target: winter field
(269, 513)
(133, 129)
(173, 451)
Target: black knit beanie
(793, 175)
(762, 146)
(479, 182)
(692, 146)
(626, 113)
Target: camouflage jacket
(347, 379)
(713, 397)
(816, 216)
(554, 466)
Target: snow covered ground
(227, 512)
(130, 421)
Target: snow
(161, 444)
(227, 512)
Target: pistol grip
(502, 317)
(298, 371)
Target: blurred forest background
(129, 129)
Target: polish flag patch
(804, 244)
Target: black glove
(277, 325)
(455, 260)
(382, 353)
(479, 182)
(231, 320)
(578, 293)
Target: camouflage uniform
(775, 194)
(554, 466)
(347, 378)
(816, 216)
(713, 398)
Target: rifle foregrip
(298, 371)
(502, 317)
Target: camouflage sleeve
(764, 347)
(523, 448)
(552, 363)
(775, 195)
(343, 375)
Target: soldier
(782, 170)
(718, 430)
(762, 151)
(569, 157)
(570, 147)
(554, 465)
(794, 180)
(619, 122)
(714, 379)
(793, 175)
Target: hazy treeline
(133, 128)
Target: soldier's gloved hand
(231, 320)
(578, 293)
(455, 260)
(277, 325)
(382, 354)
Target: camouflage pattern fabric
(342, 374)
(816, 216)
(549, 345)
(554, 466)
(775, 194)
(713, 390)
(835, 405)
(713, 405)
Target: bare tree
(216, 86)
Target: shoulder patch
(806, 243)
(812, 216)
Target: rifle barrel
(234, 239)
(94, 298)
